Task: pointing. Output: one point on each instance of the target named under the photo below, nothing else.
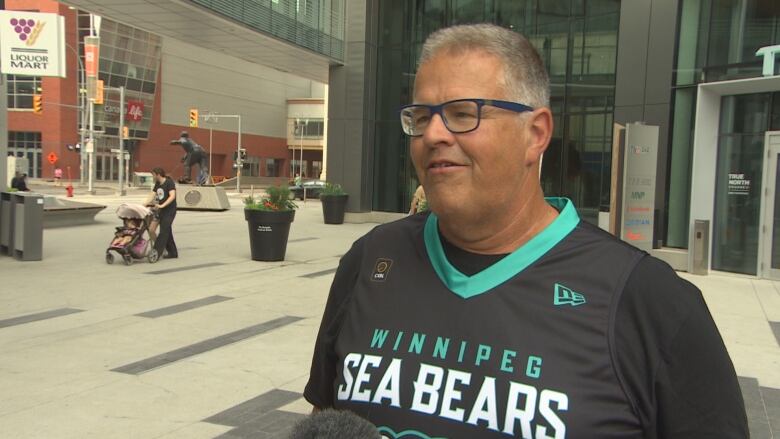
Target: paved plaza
(214, 344)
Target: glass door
(770, 206)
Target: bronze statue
(194, 154)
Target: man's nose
(436, 132)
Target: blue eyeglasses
(459, 116)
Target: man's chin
(452, 210)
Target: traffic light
(37, 104)
(193, 117)
(125, 132)
(243, 155)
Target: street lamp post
(81, 97)
(239, 162)
(301, 125)
(91, 52)
(121, 136)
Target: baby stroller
(133, 240)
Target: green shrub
(277, 200)
(332, 189)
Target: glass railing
(317, 25)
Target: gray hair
(525, 77)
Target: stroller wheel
(128, 259)
(153, 256)
(109, 258)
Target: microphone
(334, 424)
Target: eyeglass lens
(459, 116)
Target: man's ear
(539, 129)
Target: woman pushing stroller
(162, 200)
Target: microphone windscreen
(334, 424)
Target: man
(19, 182)
(501, 313)
(193, 154)
(164, 201)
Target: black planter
(333, 207)
(268, 232)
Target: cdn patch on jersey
(381, 269)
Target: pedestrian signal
(37, 104)
(193, 117)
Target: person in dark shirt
(164, 201)
(499, 312)
(19, 182)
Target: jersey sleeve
(671, 359)
(319, 388)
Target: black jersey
(161, 193)
(524, 347)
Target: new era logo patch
(566, 296)
(381, 269)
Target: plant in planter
(269, 220)
(334, 202)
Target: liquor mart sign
(32, 43)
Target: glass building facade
(717, 41)
(129, 58)
(317, 25)
(577, 40)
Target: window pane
(735, 231)
(467, 11)
(23, 101)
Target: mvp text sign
(639, 169)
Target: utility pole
(122, 141)
(92, 57)
(81, 125)
(210, 118)
(239, 162)
(301, 125)
(303, 128)
(121, 90)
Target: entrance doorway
(769, 256)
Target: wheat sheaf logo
(27, 30)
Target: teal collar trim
(509, 266)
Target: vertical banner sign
(639, 170)
(99, 90)
(91, 58)
(32, 43)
